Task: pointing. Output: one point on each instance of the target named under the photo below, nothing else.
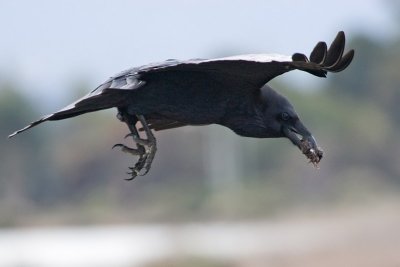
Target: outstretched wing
(258, 69)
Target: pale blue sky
(47, 46)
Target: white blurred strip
(136, 245)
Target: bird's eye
(285, 116)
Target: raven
(229, 91)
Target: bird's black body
(228, 91)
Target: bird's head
(281, 120)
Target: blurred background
(211, 198)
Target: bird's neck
(245, 119)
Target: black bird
(228, 91)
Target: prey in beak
(299, 135)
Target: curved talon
(117, 145)
(132, 174)
(131, 178)
(129, 150)
(135, 171)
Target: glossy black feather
(319, 52)
(343, 63)
(175, 93)
(335, 50)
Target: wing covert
(261, 68)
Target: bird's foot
(146, 150)
(139, 151)
(148, 156)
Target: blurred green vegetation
(66, 173)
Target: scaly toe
(133, 174)
(138, 140)
(117, 145)
(129, 150)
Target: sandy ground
(366, 236)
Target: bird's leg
(146, 148)
(150, 143)
(139, 150)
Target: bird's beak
(300, 136)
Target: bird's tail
(91, 102)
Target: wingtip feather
(344, 62)
(32, 124)
(335, 50)
(319, 52)
(300, 57)
(19, 131)
(12, 135)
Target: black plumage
(230, 91)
